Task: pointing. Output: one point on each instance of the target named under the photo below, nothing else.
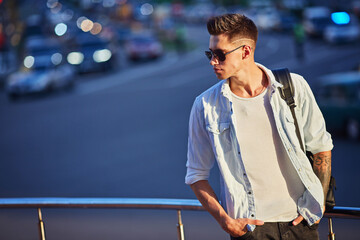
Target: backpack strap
(287, 93)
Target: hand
(238, 227)
(300, 218)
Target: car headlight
(75, 58)
(29, 61)
(102, 55)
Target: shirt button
(252, 215)
(249, 192)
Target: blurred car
(339, 101)
(91, 54)
(268, 18)
(344, 28)
(142, 47)
(44, 69)
(316, 19)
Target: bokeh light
(102, 55)
(146, 9)
(60, 29)
(340, 18)
(87, 25)
(80, 20)
(52, 3)
(56, 58)
(29, 61)
(57, 8)
(96, 29)
(75, 58)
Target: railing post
(41, 225)
(180, 227)
(331, 234)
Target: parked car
(141, 47)
(44, 69)
(268, 19)
(344, 29)
(316, 19)
(339, 100)
(91, 54)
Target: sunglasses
(219, 54)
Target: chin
(220, 76)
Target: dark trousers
(282, 231)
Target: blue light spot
(340, 18)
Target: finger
(297, 220)
(255, 222)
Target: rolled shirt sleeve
(200, 156)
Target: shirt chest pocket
(218, 128)
(221, 135)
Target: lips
(216, 70)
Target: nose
(213, 61)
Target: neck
(250, 82)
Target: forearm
(207, 197)
(322, 169)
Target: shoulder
(298, 80)
(302, 90)
(301, 86)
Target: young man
(268, 187)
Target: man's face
(231, 65)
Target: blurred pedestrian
(180, 42)
(269, 189)
(299, 39)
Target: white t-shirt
(275, 183)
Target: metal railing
(140, 203)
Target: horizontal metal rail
(140, 203)
(149, 203)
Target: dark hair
(233, 25)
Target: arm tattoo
(322, 169)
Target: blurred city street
(123, 133)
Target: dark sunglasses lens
(208, 55)
(219, 55)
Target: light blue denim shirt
(212, 138)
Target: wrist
(225, 222)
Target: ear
(247, 51)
